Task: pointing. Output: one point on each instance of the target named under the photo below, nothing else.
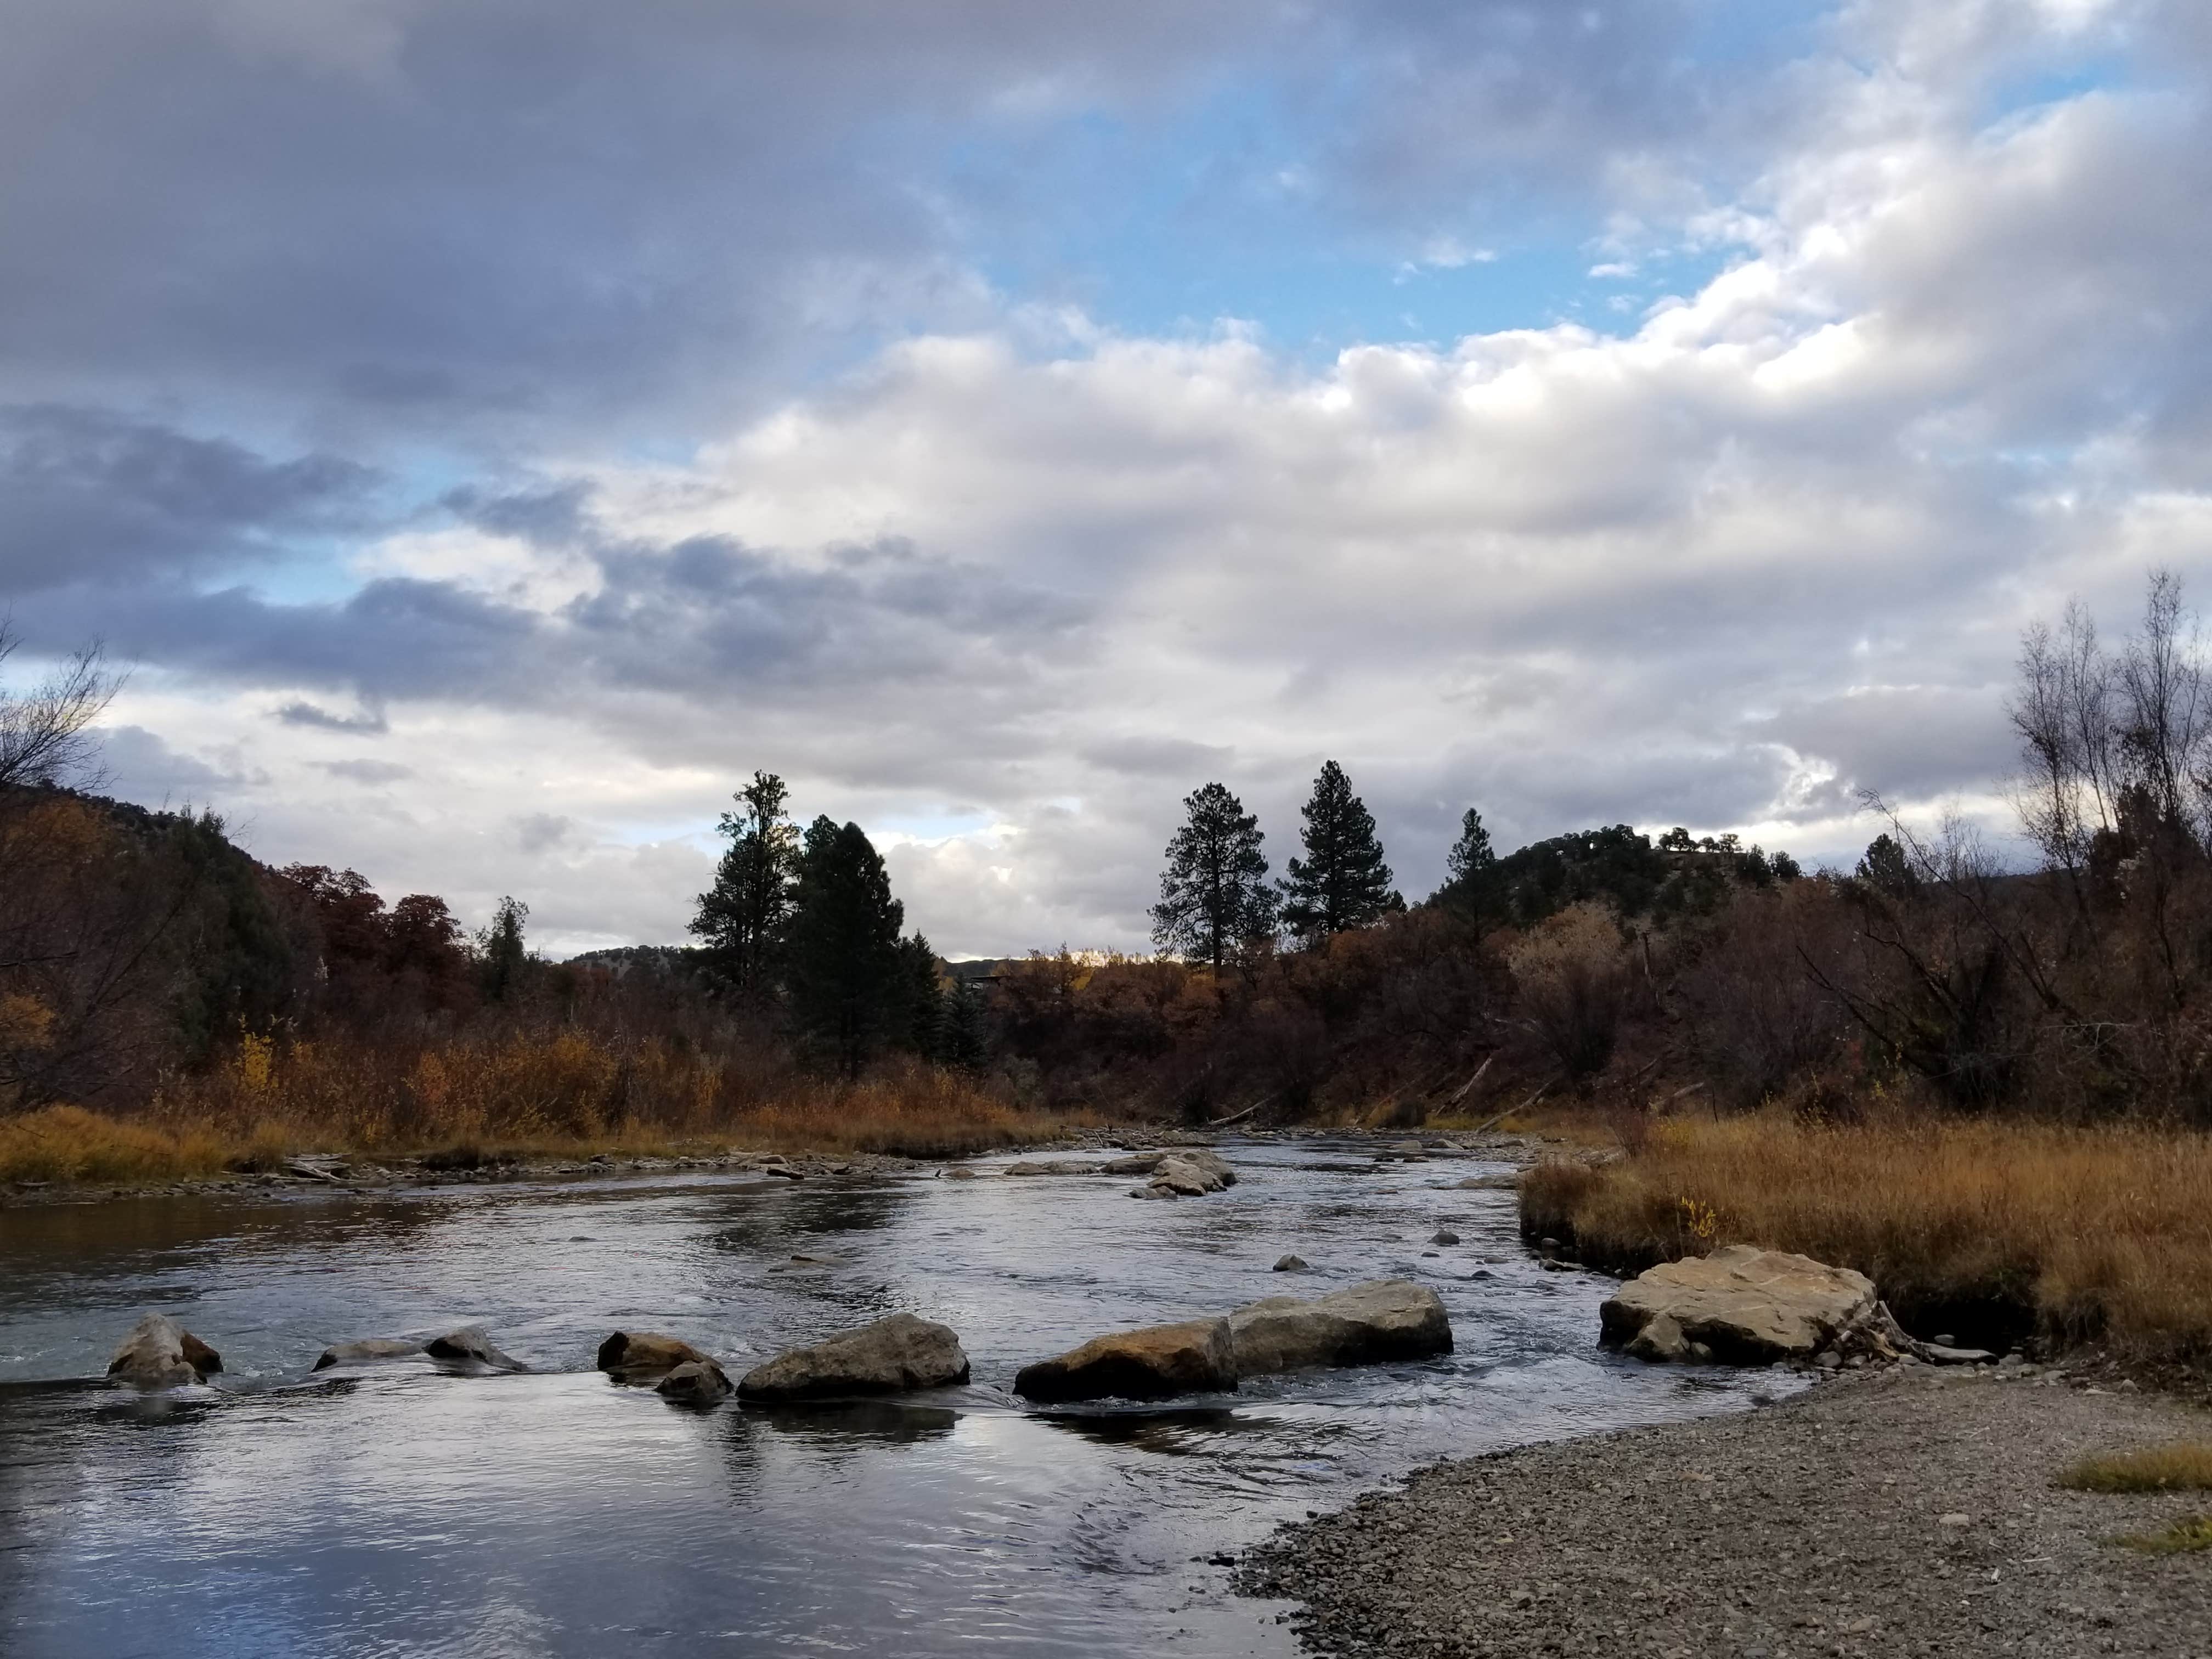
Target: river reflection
(395, 1509)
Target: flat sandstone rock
(1384, 1319)
(1197, 1356)
(889, 1357)
(1748, 1306)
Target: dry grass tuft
(2079, 1235)
(64, 1143)
(2185, 1466)
(2192, 1533)
(563, 1094)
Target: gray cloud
(140, 765)
(369, 772)
(369, 723)
(95, 496)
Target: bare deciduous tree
(45, 731)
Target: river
(400, 1510)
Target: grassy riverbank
(226, 1126)
(1982, 1228)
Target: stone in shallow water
(695, 1382)
(1194, 1356)
(471, 1346)
(157, 1352)
(889, 1357)
(1749, 1306)
(634, 1352)
(1384, 1319)
(1290, 1264)
(369, 1347)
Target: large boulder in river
(368, 1348)
(698, 1382)
(1195, 1357)
(632, 1353)
(1383, 1319)
(889, 1357)
(157, 1352)
(1211, 1169)
(471, 1346)
(1746, 1305)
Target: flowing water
(398, 1510)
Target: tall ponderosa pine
(743, 916)
(1471, 872)
(1472, 853)
(1214, 894)
(847, 973)
(1342, 881)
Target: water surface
(400, 1510)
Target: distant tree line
(1216, 901)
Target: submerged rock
(157, 1352)
(1290, 1264)
(1056, 1166)
(889, 1357)
(1384, 1319)
(1196, 1356)
(631, 1354)
(698, 1382)
(371, 1347)
(1747, 1306)
(471, 1346)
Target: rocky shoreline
(323, 1172)
(1908, 1510)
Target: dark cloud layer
(92, 496)
(512, 422)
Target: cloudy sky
(490, 428)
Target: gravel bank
(1908, 1511)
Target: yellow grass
(565, 1096)
(2102, 1235)
(2185, 1466)
(2194, 1533)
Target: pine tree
(967, 1042)
(1472, 852)
(743, 916)
(1214, 895)
(1342, 881)
(501, 950)
(924, 999)
(845, 963)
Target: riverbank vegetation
(1989, 1088)
(1990, 1230)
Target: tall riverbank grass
(1984, 1229)
(562, 1093)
